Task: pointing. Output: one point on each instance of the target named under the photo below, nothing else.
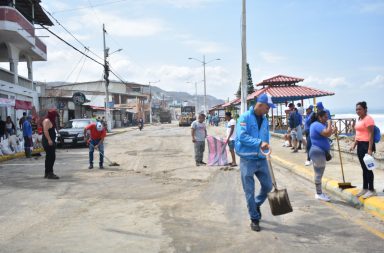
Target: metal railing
(8, 77)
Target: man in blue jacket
(27, 134)
(252, 134)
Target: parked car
(73, 132)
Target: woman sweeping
(365, 145)
(49, 143)
(320, 130)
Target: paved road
(157, 201)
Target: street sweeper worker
(95, 140)
(252, 134)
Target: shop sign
(5, 102)
(79, 98)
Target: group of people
(250, 136)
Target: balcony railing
(8, 77)
(11, 14)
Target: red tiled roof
(280, 79)
(233, 102)
(290, 93)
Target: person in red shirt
(95, 137)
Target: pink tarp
(217, 153)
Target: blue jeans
(248, 169)
(92, 145)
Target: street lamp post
(205, 81)
(150, 100)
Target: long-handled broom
(102, 153)
(343, 185)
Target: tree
(250, 87)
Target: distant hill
(180, 97)
(171, 97)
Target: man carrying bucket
(252, 134)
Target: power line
(71, 34)
(80, 8)
(57, 36)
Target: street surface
(158, 201)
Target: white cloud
(189, 3)
(377, 82)
(272, 57)
(372, 7)
(332, 82)
(119, 25)
(205, 47)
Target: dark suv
(73, 132)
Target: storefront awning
(23, 105)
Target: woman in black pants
(365, 145)
(49, 143)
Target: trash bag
(217, 153)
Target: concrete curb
(373, 205)
(19, 155)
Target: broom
(102, 153)
(343, 185)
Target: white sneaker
(369, 194)
(322, 197)
(308, 163)
(362, 192)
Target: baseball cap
(266, 99)
(310, 107)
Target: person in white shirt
(231, 136)
(199, 134)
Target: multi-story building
(19, 44)
(127, 100)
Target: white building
(19, 45)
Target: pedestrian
(27, 134)
(307, 124)
(95, 142)
(300, 109)
(125, 122)
(231, 136)
(320, 130)
(49, 143)
(365, 145)
(10, 128)
(22, 119)
(2, 128)
(320, 107)
(199, 133)
(295, 121)
(141, 123)
(252, 134)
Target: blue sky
(335, 45)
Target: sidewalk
(4, 158)
(352, 171)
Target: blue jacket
(295, 120)
(249, 137)
(27, 129)
(307, 122)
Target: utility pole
(106, 78)
(205, 88)
(244, 77)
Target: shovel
(278, 199)
(106, 158)
(343, 185)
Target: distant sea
(378, 117)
